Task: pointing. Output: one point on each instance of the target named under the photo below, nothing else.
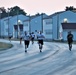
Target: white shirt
(33, 35)
(40, 36)
(27, 37)
(21, 36)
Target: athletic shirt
(21, 36)
(40, 36)
(10, 35)
(70, 37)
(32, 35)
(27, 37)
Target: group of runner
(27, 37)
(39, 36)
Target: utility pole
(8, 20)
(57, 25)
(0, 21)
(17, 25)
(42, 20)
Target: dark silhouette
(13, 11)
(70, 40)
(71, 8)
(10, 36)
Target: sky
(39, 6)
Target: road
(55, 59)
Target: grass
(4, 46)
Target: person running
(40, 37)
(26, 40)
(21, 36)
(32, 37)
(70, 40)
(10, 36)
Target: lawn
(5, 45)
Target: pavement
(55, 59)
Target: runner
(40, 40)
(32, 37)
(70, 40)
(21, 36)
(26, 40)
(10, 36)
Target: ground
(55, 59)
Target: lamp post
(57, 25)
(0, 22)
(42, 21)
(19, 22)
(17, 25)
(8, 20)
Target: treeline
(70, 8)
(17, 11)
(11, 11)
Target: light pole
(19, 22)
(8, 20)
(17, 25)
(29, 24)
(0, 22)
(42, 21)
(57, 25)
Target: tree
(70, 8)
(3, 12)
(11, 11)
(16, 11)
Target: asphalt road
(55, 59)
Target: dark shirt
(70, 38)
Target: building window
(48, 21)
(48, 31)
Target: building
(5, 26)
(17, 25)
(26, 25)
(36, 22)
(48, 27)
(53, 24)
(70, 25)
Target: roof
(54, 14)
(68, 25)
(36, 15)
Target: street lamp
(8, 20)
(0, 22)
(19, 22)
(65, 20)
